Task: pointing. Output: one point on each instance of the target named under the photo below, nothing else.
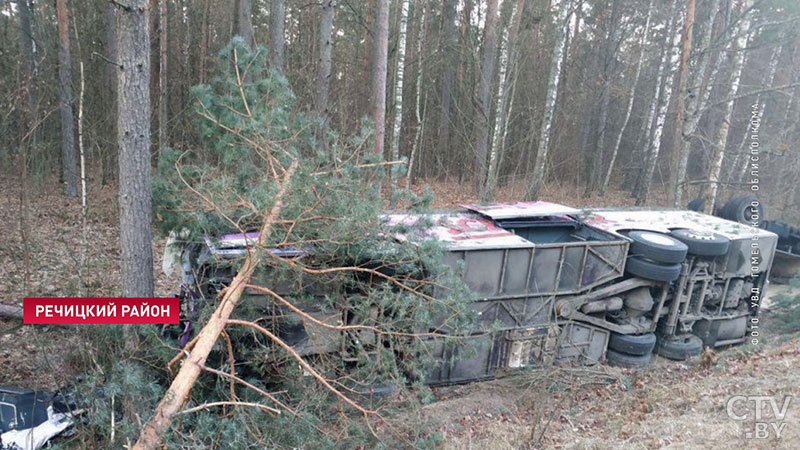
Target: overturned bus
(558, 285)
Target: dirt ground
(668, 405)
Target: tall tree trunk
(680, 110)
(162, 76)
(418, 5)
(323, 81)
(109, 151)
(504, 99)
(737, 52)
(561, 32)
(203, 41)
(133, 122)
(631, 99)
(381, 47)
(398, 87)
(484, 87)
(28, 48)
(690, 118)
(655, 142)
(245, 30)
(448, 50)
(67, 99)
(278, 22)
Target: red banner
(96, 310)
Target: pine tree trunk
(398, 87)
(736, 50)
(26, 39)
(680, 110)
(162, 76)
(694, 107)
(484, 86)
(418, 5)
(631, 99)
(561, 31)
(381, 47)
(448, 50)
(203, 42)
(655, 143)
(278, 22)
(133, 123)
(67, 100)
(245, 30)
(323, 81)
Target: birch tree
(736, 49)
(398, 86)
(380, 56)
(504, 98)
(133, 123)
(323, 81)
(484, 87)
(420, 125)
(683, 93)
(162, 75)
(631, 98)
(658, 130)
(66, 102)
(561, 32)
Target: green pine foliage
(250, 131)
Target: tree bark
(655, 142)
(561, 32)
(680, 110)
(66, 103)
(737, 52)
(26, 38)
(133, 123)
(203, 41)
(245, 30)
(162, 76)
(484, 87)
(109, 152)
(419, 5)
(631, 99)
(323, 81)
(398, 87)
(277, 31)
(448, 49)
(380, 56)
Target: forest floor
(674, 405)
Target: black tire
(651, 270)
(740, 209)
(657, 247)
(632, 344)
(697, 204)
(679, 347)
(625, 360)
(702, 243)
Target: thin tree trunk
(655, 143)
(694, 106)
(162, 76)
(245, 30)
(631, 99)
(504, 98)
(381, 45)
(277, 31)
(323, 81)
(737, 50)
(680, 110)
(109, 152)
(484, 87)
(561, 31)
(448, 50)
(418, 92)
(28, 48)
(133, 122)
(81, 154)
(398, 87)
(203, 41)
(67, 99)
